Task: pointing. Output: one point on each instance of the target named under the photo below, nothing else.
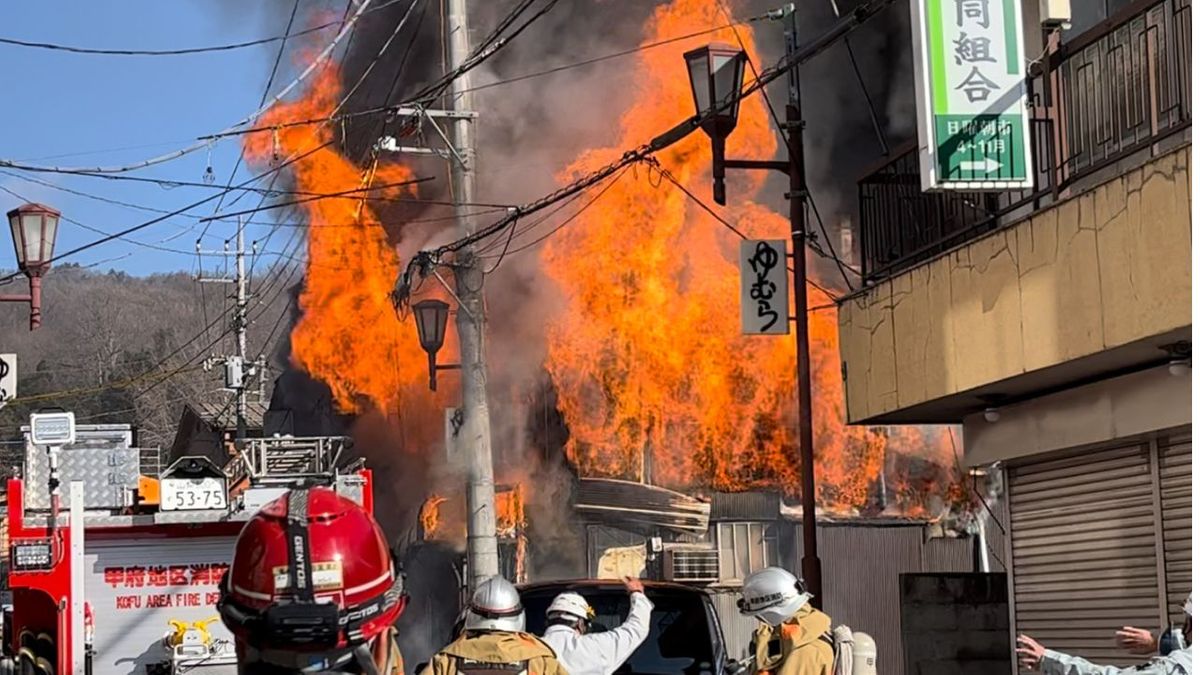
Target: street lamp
(431, 318)
(715, 71)
(34, 227)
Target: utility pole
(475, 434)
(810, 564)
(236, 367)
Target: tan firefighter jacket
(495, 653)
(795, 647)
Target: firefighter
(1174, 656)
(494, 638)
(570, 616)
(794, 637)
(313, 588)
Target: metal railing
(1116, 90)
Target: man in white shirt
(581, 653)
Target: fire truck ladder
(288, 460)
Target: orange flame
(430, 520)
(654, 378)
(349, 335)
(510, 512)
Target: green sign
(973, 127)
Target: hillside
(115, 348)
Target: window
(746, 548)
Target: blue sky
(91, 110)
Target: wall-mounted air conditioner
(691, 564)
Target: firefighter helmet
(495, 606)
(773, 594)
(312, 583)
(572, 607)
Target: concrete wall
(955, 624)
(1120, 407)
(1104, 269)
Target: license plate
(193, 494)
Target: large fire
(349, 335)
(653, 377)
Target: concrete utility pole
(236, 367)
(475, 434)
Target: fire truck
(114, 570)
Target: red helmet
(312, 582)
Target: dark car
(685, 636)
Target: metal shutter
(1175, 489)
(1084, 557)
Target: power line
(161, 52)
(674, 181)
(794, 161)
(321, 57)
(392, 108)
(159, 219)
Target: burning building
(617, 359)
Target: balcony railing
(1116, 90)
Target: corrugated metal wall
(861, 568)
(736, 628)
(1101, 538)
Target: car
(685, 635)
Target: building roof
(223, 415)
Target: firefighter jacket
(387, 654)
(495, 653)
(1178, 662)
(602, 653)
(798, 646)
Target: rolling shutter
(1084, 558)
(1175, 489)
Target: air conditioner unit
(691, 564)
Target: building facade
(1054, 324)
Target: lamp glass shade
(697, 63)
(727, 78)
(34, 228)
(715, 73)
(431, 318)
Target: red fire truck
(123, 581)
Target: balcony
(974, 299)
(1121, 90)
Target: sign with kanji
(764, 288)
(970, 79)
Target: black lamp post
(716, 76)
(431, 316)
(715, 71)
(34, 228)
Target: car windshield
(680, 639)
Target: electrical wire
(794, 161)
(730, 226)
(161, 218)
(199, 145)
(392, 108)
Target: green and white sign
(972, 121)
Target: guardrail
(1116, 90)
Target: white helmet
(495, 606)
(1187, 606)
(773, 595)
(570, 606)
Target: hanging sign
(973, 124)
(764, 295)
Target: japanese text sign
(764, 294)
(971, 99)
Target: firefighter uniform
(798, 646)
(495, 653)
